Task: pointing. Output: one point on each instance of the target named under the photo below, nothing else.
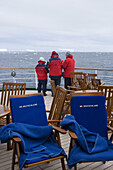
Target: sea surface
(30, 59)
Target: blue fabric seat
(89, 122)
(39, 159)
(31, 126)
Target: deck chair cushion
(90, 147)
(89, 122)
(30, 110)
(90, 112)
(37, 142)
(30, 125)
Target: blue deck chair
(30, 110)
(89, 122)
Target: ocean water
(30, 59)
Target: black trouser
(57, 79)
(67, 82)
(43, 84)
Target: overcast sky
(45, 25)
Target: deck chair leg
(57, 138)
(9, 145)
(63, 164)
(72, 143)
(70, 147)
(75, 167)
(13, 156)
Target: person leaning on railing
(41, 70)
(55, 68)
(68, 66)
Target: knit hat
(41, 59)
(67, 53)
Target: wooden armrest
(69, 86)
(102, 84)
(17, 139)
(75, 82)
(50, 121)
(70, 90)
(67, 102)
(73, 135)
(110, 128)
(58, 129)
(72, 87)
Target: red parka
(68, 65)
(55, 66)
(41, 70)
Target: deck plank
(6, 159)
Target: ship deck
(6, 156)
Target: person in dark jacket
(55, 68)
(41, 70)
(68, 66)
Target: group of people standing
(54, 67)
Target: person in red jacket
(55, 68)
(68, 66)
(41, 70)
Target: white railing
(30, 77)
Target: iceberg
(3, 50)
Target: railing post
(14, 80)
(96, 73)
(36, 81)
(13, 74)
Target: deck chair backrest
(78, 79)
(108, 93)
(90, 111)
(53, 86)
(29, 109)
(58, 104)
(9, 89)
(89, 79)
(96, 83)
(75, 76)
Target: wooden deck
(6, 156)
(6, 159)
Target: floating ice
(3, 50)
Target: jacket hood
(70, 56)
(54, 52)
(55, 56)
(41, 62)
